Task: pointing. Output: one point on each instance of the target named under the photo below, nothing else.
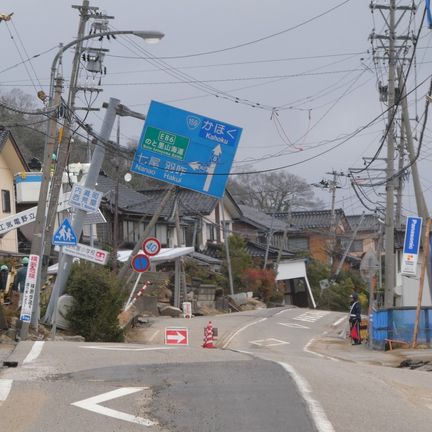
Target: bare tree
(274, 192)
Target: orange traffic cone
(208, 336)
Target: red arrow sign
(176, 336)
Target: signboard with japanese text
(411, 246)
(84, 198)
(29, 288)
(88, 253)
(15, 221)
(186, 149)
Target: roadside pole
(426, 250)
(39, 228)
(126, 266)
(65, 261)
(64, 141)
(228, 256)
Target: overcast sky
(302, 73)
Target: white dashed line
(5, 388)
(34, 352)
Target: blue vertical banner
(428, 13)
(411, 246)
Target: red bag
(354, 332)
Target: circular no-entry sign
(151, 246)
(140, 263)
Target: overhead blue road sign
(65, 235)
(411, 246)
(186, 149)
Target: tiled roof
(254, 249)
(311, 219)
(370, 222)
(4, 133)
(148, 201)
(260, 219)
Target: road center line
(240, 330)
(34, 352)
(5, 388)
(319, 417)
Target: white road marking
(336, 323)
(281, 312)
(311, 316)
(92, 404)
(269, 342)
(319, 417)
(34, 352)
(240, 330)
(154, 335)
(5, 388)
(112, 348)
(294, 325)
(306, 349)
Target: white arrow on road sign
(92, 404)
(217, 151)
(177, 337)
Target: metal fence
(397, 324)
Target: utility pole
(38, 233)
(64, 144)
(392, 54)
(331, 185)
(65, 262)
(115, 243)
(390, 277)
(227, 250)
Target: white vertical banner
(29, 288)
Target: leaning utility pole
(65, 262)
(86, 12)
(39, 228)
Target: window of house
(6, 201)
(162, 234)
(298, 244)
(210, 232)
(357, 246)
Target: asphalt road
(265, 376)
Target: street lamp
(41, 227)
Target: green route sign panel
(165, 143)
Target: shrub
(98, 302)
(260, 281)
